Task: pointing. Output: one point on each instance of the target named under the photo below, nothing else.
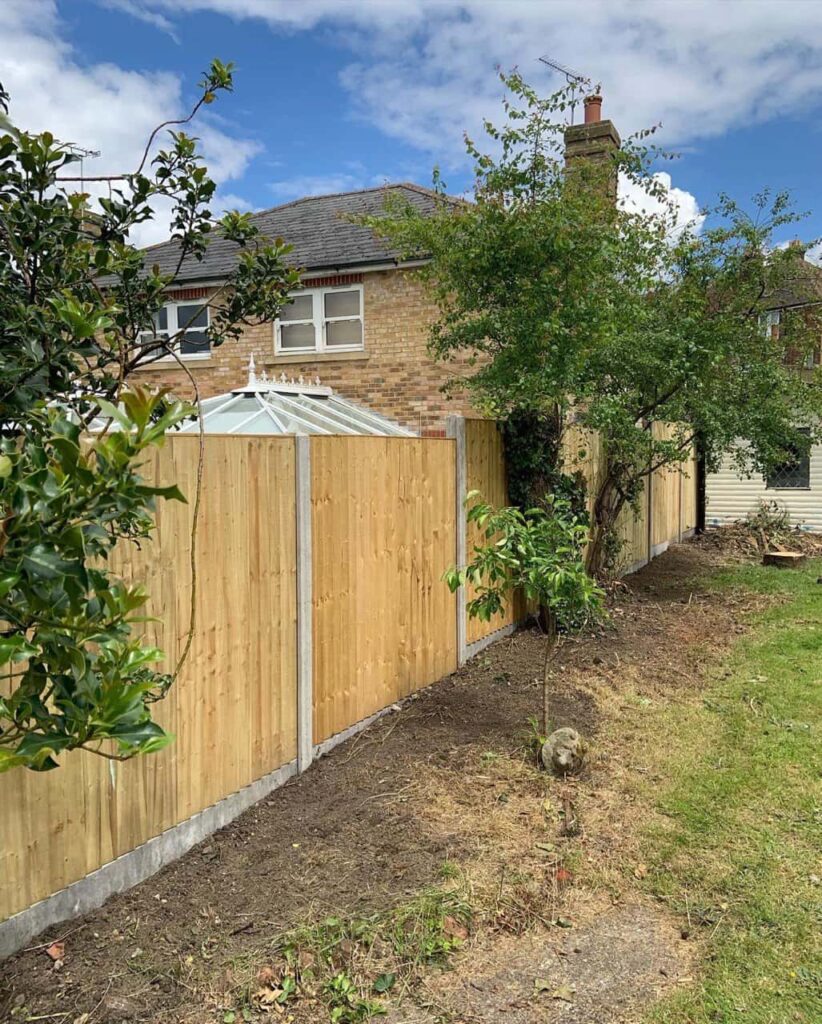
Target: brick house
(360, 324)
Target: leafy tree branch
(559, 305)
(78, 309)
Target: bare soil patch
(448, 782)
(600, 972)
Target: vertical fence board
(383, 529)
(667, 493)
(232, 709)
(485, 472)
(689, 495)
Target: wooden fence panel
(383, 533)
(582, 452)
(632, 530)
(233, 708)
(485, 472)
(383, 519)
(666, 494)
(689, 495)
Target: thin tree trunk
(551, 646)
(607, 506)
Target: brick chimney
(594, 140)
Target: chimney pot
(593, 109)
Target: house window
(187, 324)
(770, 322)
(794, 472)
(321, 320)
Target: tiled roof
(802, 286)
(316, 227)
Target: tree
(539, 554)
(77, 314)
(559, 305)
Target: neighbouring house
(795, 485)
(361, 322)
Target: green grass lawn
(740, 845)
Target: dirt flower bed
(432, 840)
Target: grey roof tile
(316, 228)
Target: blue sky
(340, 94)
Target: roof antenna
(573, 78)
(81, 153)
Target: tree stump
(783, 559)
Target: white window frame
(174, 328)
(770, 320)
(320, 320)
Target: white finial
(301, 381)
(283, 378)
(252, 374)
(317, 380)
(264, 377)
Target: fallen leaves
(274, 990)
(564, 993)
(56, 951)
(454, 929)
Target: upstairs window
(321, 320)
(794, 472)
(770, 321)
(187, 324)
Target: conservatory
(287, 406)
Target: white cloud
(422, 69)
(680, 206)
(324, 184)
(314, 185)
(141, 13)
(102, 106)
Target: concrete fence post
(455, 427)
(305, 607)
(649, 488)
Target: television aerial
(573, 78)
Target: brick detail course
(333, 281)
(184, 294)
(394, 375)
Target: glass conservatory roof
(283, 406)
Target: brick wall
(393, 375)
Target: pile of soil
(449, 778)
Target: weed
(449, 870)
(341, 960)
(533, 738)
(430, 928)
(346, 1003)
